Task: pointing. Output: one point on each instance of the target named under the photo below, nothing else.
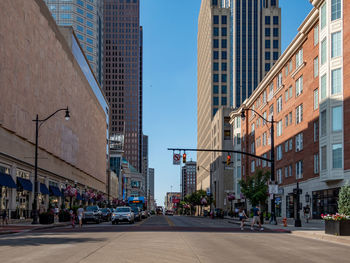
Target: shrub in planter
(46, 218)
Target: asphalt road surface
(166, 239)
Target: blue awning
(55, 191)
(43, 189)
(7, 181)
(25, 184)
(79, 197)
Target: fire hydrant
(284, 220)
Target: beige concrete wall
(38, 75)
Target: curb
(324, 237)
(279, 230)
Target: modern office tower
(122, 44)
(86, 17)
(188, 178)
(214, 79)
(145, 160)
(255, 41)
(151, 181)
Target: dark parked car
(92, 214)
(106, 214)
(137, 213)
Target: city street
(166, 239)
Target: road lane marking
(169, 221)
(142, 222)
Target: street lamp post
(37, 126)
(297, 222)
(273, 220)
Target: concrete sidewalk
(26, 226)
(315, 229)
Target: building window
(275, 44)
(90, 49)
(223, 78)
(323, 15)
(336, 9)
(223, 55)
(337, 118)
(90, 7)
(66, 16)
(267, 31)
(323, 51)
(224, 20)
(264, 138)
(336, 44)
(275, 55)
(224, 66)
(216, 43)
(290, 91)
(315, 67)
(89, 15)
(299, 114)
(66, 7)
(279, 152)
(252, 148)
(286, 120)
(337, 158)
(267, 20)
(299, 86)
(216, 31)
(267, 43)
(216, 20)
(316, 163)
(216, 54)
(80, 19)
(252, 166)
(215, 66)
(324, 158)
(80, 28)
(286, 95)
(290, 144)
(279, 176)
(267, 67)
(299, 145)
(299, 169)
(279, 128)
(224, 101)
(80, 11)
(216, 101)
(323, 86)
(267, 55)
(216, 78)
(89, 32)
(336, 81)
(275, 32)
(223, 43)
(216, 89)
(315, 99)
(80, 37)
(223, 89)
(279, 104)
(323, 123)
(80, 2)
(275, 20)
(315, 35)
(286, 146)
(290, 118)
(270, 112)
(279, 80)
(224, 31)
(299, 58)
(316, 131)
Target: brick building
(304, 93)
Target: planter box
(338, 228)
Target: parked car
(144, 214)
(92, 214)
(137, 213)
(106, 214)
(169, 212)
(123, 214)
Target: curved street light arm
(259, 115)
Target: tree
(344, 200)
(255, 187)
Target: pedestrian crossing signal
(184, 158)
(228, 160)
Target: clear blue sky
(170, 79)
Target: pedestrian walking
(72, 218)
(307, 213)
(242, 217)
(80, 213)
(256, 218)
(4, 218)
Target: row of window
(223, 43)
(335, 12)
(274, 30)
(216, 54)
(216, 20)
(274, 18)
(223, 31)
(216, 101)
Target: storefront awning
(7, 181)
(55, 191)
(25, 184)
(43, 189)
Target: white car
(123, 214)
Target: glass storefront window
(324, 202)
(290, 206)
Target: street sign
(273, 188)
(176, 158)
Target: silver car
(123, 214)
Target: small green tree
(255, 187)
(344, 200)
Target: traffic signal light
(228, 160)
(184, 158)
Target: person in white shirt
(80, 213)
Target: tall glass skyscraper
(86, 17)
(255, 43)
(123, 74)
